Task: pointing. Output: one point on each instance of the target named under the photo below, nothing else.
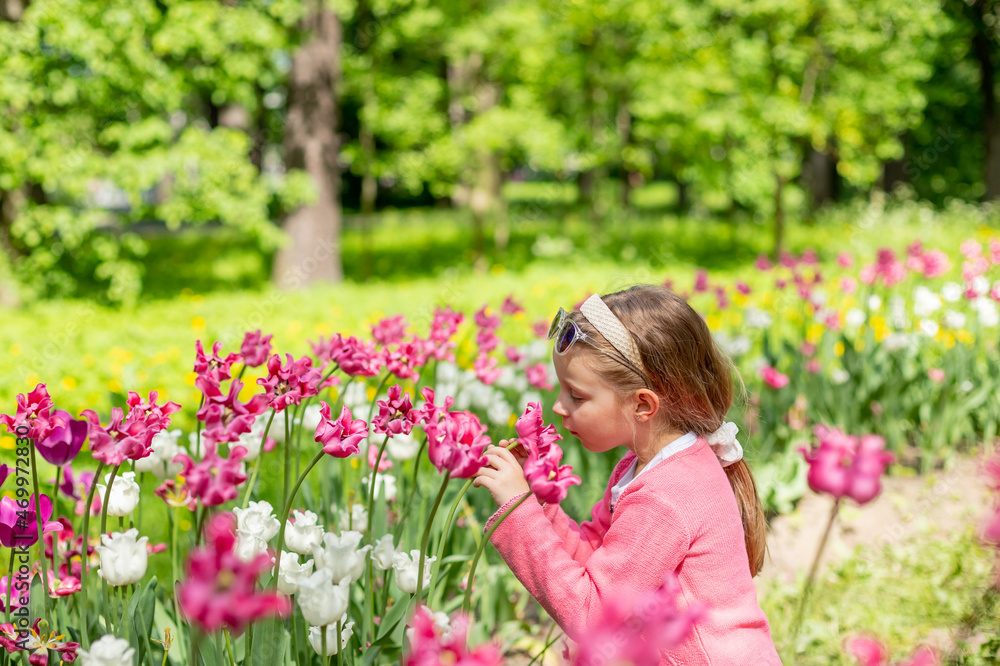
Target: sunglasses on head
(565, 331)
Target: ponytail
(751, 513)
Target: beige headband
(607, 324)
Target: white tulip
(341, 556)
(160, 461)
(253, 441)
(304, 533)
(257, 519)
(406, 570)
(196, 449)
(323, 602)
(311, 418)
(402, 447)
(123, 557)
(291, 573)
(952, 291)
(386, 480)
(953, 319)
(358, 518)
(108, 650)
(124, 494)
(249, 546)
(332, 647)
(384, 554)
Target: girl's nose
(559, 409)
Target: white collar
(676, 446)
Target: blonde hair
(692, 377)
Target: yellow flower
(31, 380)
(322, 328)
(859, 344)
(185, 524)
(198, 324)
(114, 386)
(159, 358)
(6, 442)
(814, 333)
(15, 349)
(190, 377)
(294, 327)
(714, 321)
(498, 269)
(838, 348)
(68, 383)
(965, 337)
(87, 360)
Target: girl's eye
(574, 397)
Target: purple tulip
(62, 446)
(845, 465)
(4, 473)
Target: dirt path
(944, 500)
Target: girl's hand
(520, 454)
(504, 477)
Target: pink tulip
(546, 478)
(513, 354)
(887, 269)
(226, 417)
(430, 647)
(128, 437)
(444, 326)
(19, 523)
(255, 349)
(995, 251)
(33, 411)
(383, 464)
(214, 479)
(288, 384)
(936, 375)
(486, 367)
(405, 360)
(219, 589)
(4, 473)
(395, 415)
(541, 328)
(532, 433)
(355, 358)
(773, 378)
(486, 338)
(538, 376)
(762, 263)
(701, 281)
(340, 437)
(214, 367)
(510, 306)
(870, 652)
(845, 260)
(846, 466)
(455, 442)
(743, 288)
(639, 633)
(389, 331)
(971, 248)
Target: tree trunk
(819, 173)
(313, 253)
(981, 45)
(11, 10)
(8, 212)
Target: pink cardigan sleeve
(579, 541)
(647, 539)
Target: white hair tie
(724, 444)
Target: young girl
(639, 369)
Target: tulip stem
(85, 628)
(804, 599)
(55, 505)
(413, 491)
(371, 410)
(336, 638)
(104, 528)
(10, 586)
(287, 510)
(229, 646)
(467, 601)
(427, 536)
(288, 462)
(175, 523)
(436, 565)
(256, 462)
(371, 489)
(38, 522)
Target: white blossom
(124, 494)
(403, 447)
(291, 573)
(258, 519)
(925, 302)
(406, 567)
(839, 375)
(951, 292)
(108, 650)
(386, 481)
(928, 327)
(384, 553)
(356, 520)
(341, 555)
(874, 302)
(123, 557)
(160, 461)
(854, 317)
(305, 532)
(756, 318)
(332, 647)
(322, 601)
(953, 319)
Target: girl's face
(588, 405)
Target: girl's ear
(647, 405)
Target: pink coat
(680, 516)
